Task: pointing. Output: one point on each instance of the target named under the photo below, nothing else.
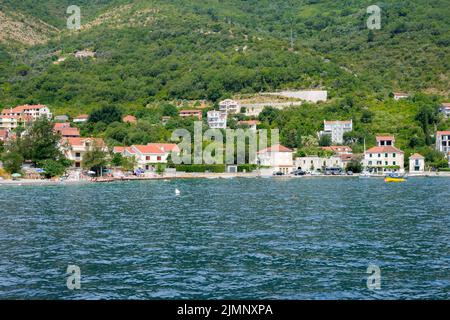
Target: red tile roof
(446, 105)
(130, 119)
(69, 132)
(337, 149)
(337, 122)
(385, 138)
(384, 149)
(417, 156)
(82, 116)
(442, 133)
(80, 141)
(156, 148)
(60, 125)
(276, 148)
(20, 109)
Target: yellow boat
(394, 179)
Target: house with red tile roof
(384, 157)
(129, 119)
(75, 148)
(278, 157)
(338, 149)
(65, 130)
(81, 118)
(32, 112)
(148, 155)
(190, 113)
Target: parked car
(349, 173)
(278, 173)
(299, 173)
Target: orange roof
(441, 133)
(385, 138)
(446, 104)
(20, 109)
(67, 131)
(60, 125)
(3, 133)
(384, 149)
(337, 122)
(275, 148)
(80, 141)
(338, 148)
(118, 149)
(82, 116)
(130, 119)
(249, 122)
(417, 156)
(156, 148)
(190, 111)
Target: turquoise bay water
(300, 238)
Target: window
(394, 163)
(393, 155)
(379, 155)
(158, 158)
(77, 155)
(370, 155)
(385, 155)
(370, 163)
(385, 163)
(147, 158)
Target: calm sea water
(301, 238)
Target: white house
(400, 95)
(445, 109)
(75, 148)
(148, 155)
(416, 163)
(336, 129)
(385, 157)
(217, 119)
(314, 163)
(11, 118)
(277, 157)
(229, 106)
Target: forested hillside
(158, 50)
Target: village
(152, 160)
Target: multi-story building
(12, 118)
(385, 157)
(190, 113)
(278, 158)
(400, 95)
(229, 106)
(32, 111)
(75, 148)
(65, 130)
(336, 129)
(81, 118)
(148, 155)
(314, 163)
(217, 119)
(443, 141)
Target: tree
(12, 162)
(269, 114)
(367, 116)
(128, 163)
(53, 168)
(170, 110)
(39, 142)
(107, 115)
(325, 140)
(116, 160)
(355, 165)
(95, 159)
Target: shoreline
(184, 175)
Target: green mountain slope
(157, 50)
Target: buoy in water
(177, 192)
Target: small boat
(177, 192)
(394, 178)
